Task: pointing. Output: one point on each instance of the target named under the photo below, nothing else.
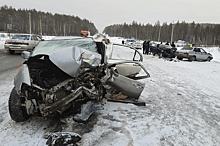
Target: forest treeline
(200, 34)
(17, 20)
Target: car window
(203, 51)
(197, 49)
(34, 38)
(38, 38)
(21, 37)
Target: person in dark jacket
(144, 46)
(173, 45)
(167, 43)
(148, 47)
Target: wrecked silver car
(64, 77)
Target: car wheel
(193, 58)
(208, 59)
(17, 112)
(11, 51)
(180, 58)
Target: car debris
(62, 138)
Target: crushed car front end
(62, 75)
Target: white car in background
(130, 42)
(137, 45)
(22, 42)
(193, 54)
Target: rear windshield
(21, 37)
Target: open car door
(126, 68)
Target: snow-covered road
(182, 108)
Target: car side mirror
(25, 54)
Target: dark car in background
(22, 42)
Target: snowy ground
(182, 109)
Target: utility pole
(172, 33)
(30, 21)
(40, 27)
(159, 34)
(64, 29)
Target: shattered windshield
(52, 45)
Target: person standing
(144, 47)
(147, 47)
(173, 45)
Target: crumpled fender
(23, 77)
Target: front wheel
(208, 59)
(193, 58)
(17, 112)
(180, 58)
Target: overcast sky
(107, 12)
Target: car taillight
(6, 42)
(25, 43)
(186, 53)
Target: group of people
(146, 47)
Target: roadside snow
(182, 108)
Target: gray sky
(107, 12)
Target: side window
(38, 38)
(202, 50)
(34, 38)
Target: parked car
(154, 48)
(22, 42)
(193, 54)
(130, 42)
(167, 51)
(137, 45)
(63, 77)
(162, 50)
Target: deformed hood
(69, 58)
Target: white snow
(182, 108)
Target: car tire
(193, 58)
(11, 51)
(17, 112)
(208, 59)
(180, 58)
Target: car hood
(69, 59)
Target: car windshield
(21, 37)
(186, 48)
(52, 45)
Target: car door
(197, 53)
(35, 41)
(204, 54)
